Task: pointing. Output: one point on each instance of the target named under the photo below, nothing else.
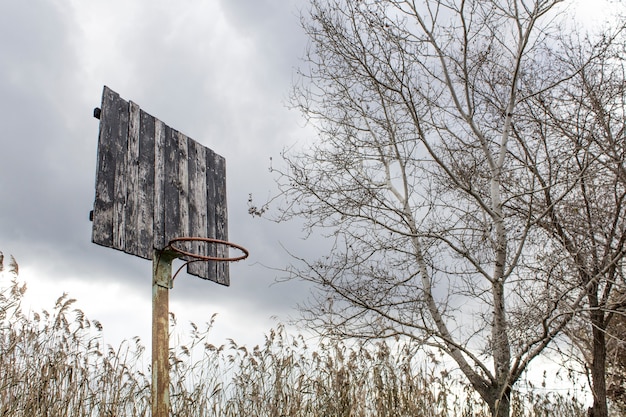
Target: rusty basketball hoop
(174, 246)
(199, 257)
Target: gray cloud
(220, 75)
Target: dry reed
(53, 363)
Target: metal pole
(161, 284)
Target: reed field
(54, 363)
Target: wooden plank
(160, 132)
(183, 186)
(210, 210)
(102, 230)
(146, 192)
(221, 219)
(131, 179)
(197, 205)
(120, 146)
(171, 190)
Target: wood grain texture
(221, 216)
(147, 175)
(131, 161)
(159, 185)
(154, 184)
(198, 203)
(105, 174)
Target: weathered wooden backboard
(154, 184)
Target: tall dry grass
(53, 363)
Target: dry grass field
(53, 363)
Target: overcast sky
(218, 71)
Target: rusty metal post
(161, 284)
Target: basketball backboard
(154, 184)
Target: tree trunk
(500, 404)
(501, 355)
(598, 366)
(598, 373)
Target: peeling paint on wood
(154, 184)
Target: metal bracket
(162, 269)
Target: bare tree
(580, 131)
(422, 175)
